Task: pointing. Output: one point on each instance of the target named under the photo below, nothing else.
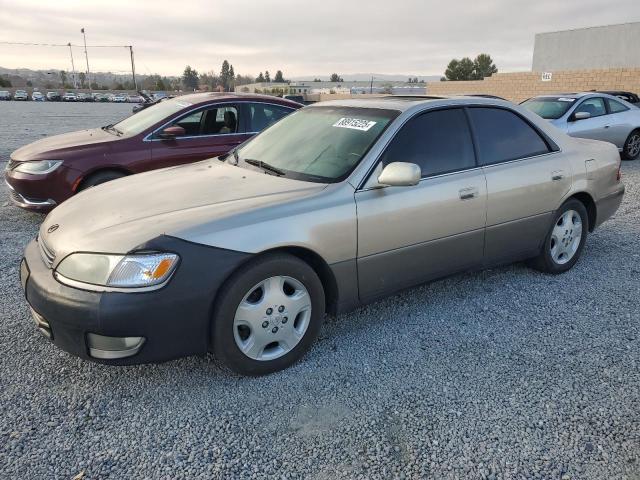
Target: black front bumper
(173, 320)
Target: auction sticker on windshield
(354, 123)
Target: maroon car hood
(58, 144)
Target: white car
(37, 97)
(21, 95)
(119, 98)
(69, 97)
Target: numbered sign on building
(546, 76)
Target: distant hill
(365, 77)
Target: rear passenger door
(527, 178)
(209, 132)
(620, 120)
(409, 235)
(262, 115)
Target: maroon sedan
(181, 130)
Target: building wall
(519, 86)
(612, 46)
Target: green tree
(29, 83)
(267, 77)
(63, 77)
(460, 69)
(483, 66)
(279, 78)
(260, 78)
(190, 79)
(225, 76)
(83, 78)
(335, 78)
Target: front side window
(262, 115)
(615, 106)
(594, 106)
(317, 144)
(218, 120)
(438, 142)
(502, 135)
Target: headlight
(38, 167)
(145, 270)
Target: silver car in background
(332, 207)
(593, 115)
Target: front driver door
(594, 127)
(209, 132)
(409, 235)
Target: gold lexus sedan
(334, 206)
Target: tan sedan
(334, 206)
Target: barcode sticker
(354, 124)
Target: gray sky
(416, 37)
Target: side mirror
(400, 174)
(171, 133)
(581, 115)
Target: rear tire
(100, 177)
(565, 240)
(268, 315)
(631, 150)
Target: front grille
(48, 255)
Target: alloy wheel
(633, 145)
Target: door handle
(607, 126)
(468, 193)
(557, 175)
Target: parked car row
(54, 96)
(242, 246)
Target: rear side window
(262, 115)
(438, 142)
(594, 106)
(502, 135)
(615, 106)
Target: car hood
(120, 216)
(47, 148)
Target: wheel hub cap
(272, 318)
(633, 147)
(566, 237)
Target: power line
(31, 44)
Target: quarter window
(615, 106)
(438, 142)
(262, 115)
(502, 135)
(594, 106)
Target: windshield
(317, 144)
(550, 108)
(148, 117)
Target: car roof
(576, 95)
(405, 102)
(206, 97)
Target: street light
(86, 56)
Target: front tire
(99, 178)
(268, 315)
(565, 240)
(631, 150)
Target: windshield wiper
(265, 166)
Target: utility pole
(86, 56)
(133, 69)
(73, 67)
(371, 87)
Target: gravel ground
(506, 373)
